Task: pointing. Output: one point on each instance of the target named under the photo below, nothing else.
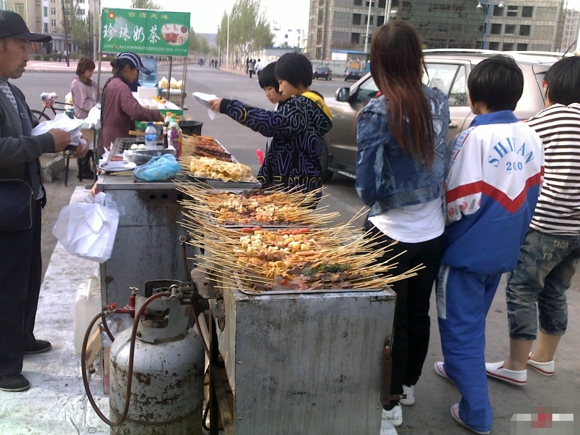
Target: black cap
(12, 25)
(132, 59)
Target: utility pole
(368, 25)
(65, 34)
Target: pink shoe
(497, 371)
(545, 368)
(457, 418)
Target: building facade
(46, 17)
(571, 31)
(523, 25)
(287, 36)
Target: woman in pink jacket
(84, 91)
(119, 109)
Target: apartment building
(526, 25)
(287, 36)
(571, 31)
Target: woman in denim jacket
(402, 137)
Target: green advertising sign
(145, 31)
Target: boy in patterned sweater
(297, 128)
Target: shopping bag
(88, 229)
(160, 168)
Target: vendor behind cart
(119, 109)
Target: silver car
(445, 69)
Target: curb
(51, 166)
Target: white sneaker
(545, 368)
(387, 428)
(394, 416)
(410, 392)
(497, 371)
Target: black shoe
(40, 346)
(14, 383)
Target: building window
(524, 30)
(358, 2)
(510, 29)
(53, 23)
(527, 11)
(356, 19)
(494, 45)
(53, 1)
(372, 6)
(45, 27)
(498, 12)
(522, 47)
(380, 20)
(496, 29)
(52, 11)
(508, 46)
(382, 4)
(45, 11)
(355, 38)
(512, 11)
(367, 19)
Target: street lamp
(368, 24)
(489, 4)
(228, 44)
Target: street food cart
(312, 359)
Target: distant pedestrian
(251, 66)
(59, 56)
(247, 65)
(65, 54)
(258, 67)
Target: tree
(203, 46)
(249, 29)
(194, 43)
(144, 4)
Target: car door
(342, 138)
(451, 78)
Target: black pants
(251, 72)
(412, 322)
(20, 279)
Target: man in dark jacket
(22, 196)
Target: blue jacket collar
(501, 117)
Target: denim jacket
(387, 176)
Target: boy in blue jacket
(491, 189)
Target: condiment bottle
(166, 130)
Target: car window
(448, 78)
(366, 91)
(458, 93)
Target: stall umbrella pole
(169, 78)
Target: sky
(206, 15)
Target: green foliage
(144, 4)
(203, 46)
(193, 41)
(38, 57)
(249, 29)
(46, 57)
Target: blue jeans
(539, 282)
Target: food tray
(219, 184)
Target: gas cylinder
(167, 387)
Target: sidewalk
(46, 66)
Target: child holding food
(297, 128)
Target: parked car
(352, 74)
(322, 72)
(445, 69)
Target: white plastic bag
(72, 126)
(87, 229)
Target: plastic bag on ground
(160, 168)
(88, 229)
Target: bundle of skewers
(256, 259)
(203, 146)
(255, 207)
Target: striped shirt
(558, 209)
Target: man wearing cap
(22, 196)
(119, 108)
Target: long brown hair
(397, 68)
